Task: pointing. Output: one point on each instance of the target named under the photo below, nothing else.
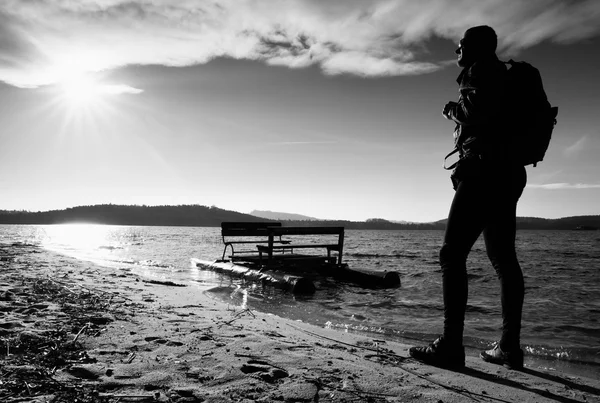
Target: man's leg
(499, 238)
(500, 245)
(466, 220)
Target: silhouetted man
(488, 184)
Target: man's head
(477, 42)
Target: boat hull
(302, 282)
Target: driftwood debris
(31, 358)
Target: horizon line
(311, 218)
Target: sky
(327, 108)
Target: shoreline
(133, 339)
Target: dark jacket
(480, 126)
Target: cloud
(120, 89)
(362, 64)
(576, 147)
(564, 186)
(363, 37)
(296, 143)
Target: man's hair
(483, 38)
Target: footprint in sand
(7, 296)
(10, 325)
(7, 327)
(160, 340)
(272, 333)
(28, 310)
(264, 370)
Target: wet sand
(72, 331)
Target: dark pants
(484, 204)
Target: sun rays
(87, 92)
(83, 100)
(80, 92)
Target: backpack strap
(448, 156)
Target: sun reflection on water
(84, 237)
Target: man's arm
(481, 96)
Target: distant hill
(185, 215)
(589, 222)
(274, 215)
(203, 216)
(523, 223)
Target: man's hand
(447, 108)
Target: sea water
(560, 328)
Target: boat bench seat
(285, 252)
(267, 237)
(249, 233)
(294, 257)
(289, 245)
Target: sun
(84, 98)
(81, 91)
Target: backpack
(533, 118)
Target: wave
(555, 356)
(110, 247)
(383, 255)
(579, 329)
(152, 263)
(20, 244)
(588, 254)
(145, 263)
(479, 309)
(584, 356)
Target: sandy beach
(71, 331)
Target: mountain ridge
(203, 216)
(276, 215)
